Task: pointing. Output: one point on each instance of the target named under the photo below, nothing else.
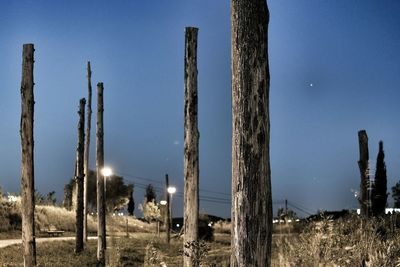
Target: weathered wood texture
(364, 169)
(168, 211)
(251, 174)
(191, 149)
(79, 178)
(27, 162)
(101, 209)
(87, 152)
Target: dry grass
(222, 227)
(141, 249)
(345, 242)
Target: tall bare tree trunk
(27, 163)
(364, 169)
(87, 151)
(191, 157)
(101, 212)
(168, 211)
(79, 177)
(251, 174)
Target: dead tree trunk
(27, 163)
(79, 177)
(364, 169)
(168, 211)
(86, 155)
(191, 157)
(101, 213)
(251, 174)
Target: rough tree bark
(87, 150)
(191, 152)
(79, 176)
(364, 169)
(251, 174)
(168, 211)
(27, 162)
(101, 212)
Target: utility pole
(27, 163)
(251, 174)
(79, 178)
(86, 153)
(191, 152)
(101, 215)
(168, 211)
(364, 172)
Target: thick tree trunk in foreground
(364, 169)
(27, 163)
(87, 150)
(251, 174)
(79, 177)
(191, 152)
(168, 211)
(101, 212)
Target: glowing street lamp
(171, 190)
(107, 172)
(163, 202)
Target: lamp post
(107, 172)
(171, 190)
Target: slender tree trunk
(101, 215)
(168, 211)
(79, 178)
(27, 163)
(364, 169)
(251, 174)
(191, 157)
(87, 151)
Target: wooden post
(101, 215)
(251, 174)
(191, 152)
(364, 169)
(27, 163)
(168, 211)
(79, 177)
(87, 151)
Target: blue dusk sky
(335, 69)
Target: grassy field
(349, 241)
(141, 249)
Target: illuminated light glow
(171, 189)
(106, 171)
(163, 202)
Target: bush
(10, 216)
(206, 232)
